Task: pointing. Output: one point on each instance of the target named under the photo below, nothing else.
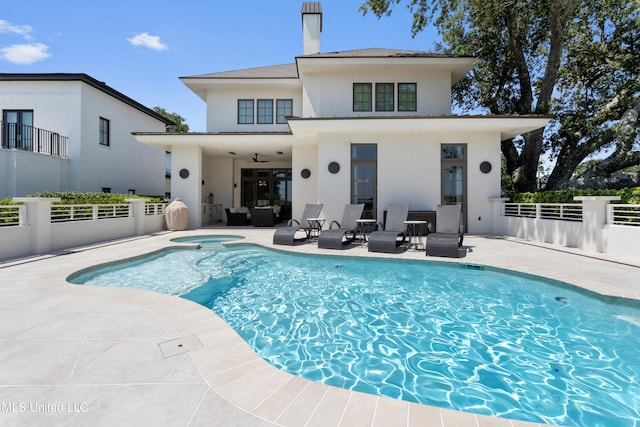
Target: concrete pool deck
(81, 355)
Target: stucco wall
(330, 94)
(26, 173)
(125, 164)
(304, 190)
(72, 109)
(188, 189)
(222, 106)
(409, 171)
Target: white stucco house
(71, 132)
(370, 126)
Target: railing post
(39, 219)
(594, 215)
(538, 210)
(497, 211)
(22, 216)
(137, 205)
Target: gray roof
(290, 71)
(383, 53)
(284, 71)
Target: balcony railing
(22, 137)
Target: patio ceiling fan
(255, 159)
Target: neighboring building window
(104, 132)
(265, 111)
(407, 99)
(245, 111)
(17, 129)
(384, 96)
(284, 109)
(362, 97)
(106, 189)
(364, 166)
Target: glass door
(364, 167)
(454, 181)
(17, 129)
(267, 187)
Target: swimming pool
(464, 337)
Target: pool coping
(261, 392)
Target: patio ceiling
(276, 146)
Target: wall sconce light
(305, 173)
(485, 167)
(184, 173)
(334, 167)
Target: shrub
(76, 198)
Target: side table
(362, 230)
(415, 229)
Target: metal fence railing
(620, 214)
(28, 138)
(557, 211)
(154, 208)
(64, 213)
(11, 215)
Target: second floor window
(245, 111)
(104, 132)
(384, 96)
(362, 97)
(284, 109)
(265, 111)
(407, 97)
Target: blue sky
(142, 47)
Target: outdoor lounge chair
(447, 239)
(345, 233)
(391, 240)
(287, 235)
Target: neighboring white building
(70, 132)
(370, 125)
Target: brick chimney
(311, 26)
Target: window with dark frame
(364, 179)
(407, 97)
(384, 97)
(104, 132)
(245, 111)
(284, 109)
(362, 97)
(265, 111)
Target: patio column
(39, 219)
(186, 180)
(594, 218)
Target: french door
(454, 179)
(17, 129)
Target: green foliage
(627, 195)
(179, 126)
(9, 202)
(76, 198)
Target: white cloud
(148, 41)
(22, 30)
(25, 54)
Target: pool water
(463, 337)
